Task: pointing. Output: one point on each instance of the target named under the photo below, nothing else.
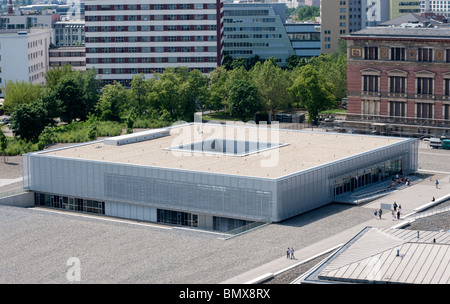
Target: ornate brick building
(399, 75)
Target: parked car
(446, 144)
(435, 143)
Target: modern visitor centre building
(213, 176)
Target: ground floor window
(177, 218)
(69, 203)
(224, 224)
(363, 177)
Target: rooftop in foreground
(285, 151)
(388, 255)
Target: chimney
(10, 8)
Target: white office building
(440, 7)
(24, 55)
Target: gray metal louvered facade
(137, 192)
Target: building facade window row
(167, 49)
(421, 54)
(151, 28)
(424, 84)
(143, 7)
(179, 17)
(112, 39)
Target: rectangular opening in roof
(230, 147)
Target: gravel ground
(40, 242)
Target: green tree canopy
(54, 75)
(307, 12)
(19, 92)
(78, 93)
(218, 92)
(272, 83)
(313, 91)
(29, 120)
(242, 98)
(112, 102)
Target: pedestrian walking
(393, 214)
(395, 206)
(292, 253)
(380, 212)
(375, 213)
(398, 214)
(288, 253)
(437, 184)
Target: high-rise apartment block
(339, 17)
(440, 7)
(147, 36)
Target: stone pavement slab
(409, 198)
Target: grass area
(222, 115)
(334, 111)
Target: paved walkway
(409, 198)
(4, 182)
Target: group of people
(395, 211)
(290, 253)
(400, 180)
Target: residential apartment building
(401, 7)
(399, 75)
(256, 29)
(125, 39)
(69, 33)
(24, 55)
(74, 56)
(440, 7)
(343, 17)
(22, 22)
(338, 17)
(304, 38)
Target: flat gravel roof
(301, 150)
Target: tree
(55, 74)
(3, 145)
(29, 120)
(313, 91)
(78, 94)
(294, 61)
(237, 63)
(192, 92)
(333, 67)
(242, 98)
(19, 92)
(308, 12)
(273, 84)
(218, 92)
(138, 93)
(165, 92)
(112, 102)
(71, 99)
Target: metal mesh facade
(211, 194)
